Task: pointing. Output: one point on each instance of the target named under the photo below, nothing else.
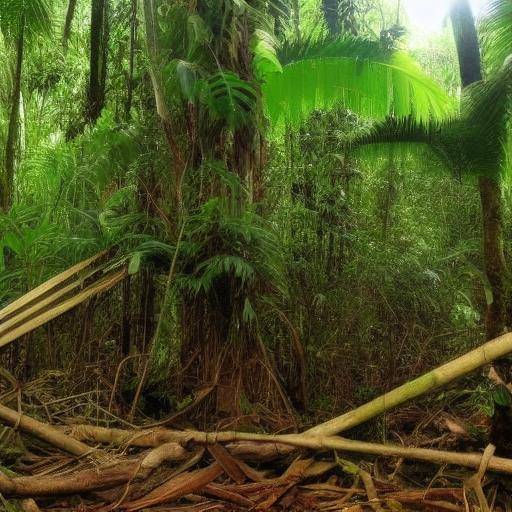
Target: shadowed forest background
(312, 208)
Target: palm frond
(36, 15)
(497, 33)
(357, 74)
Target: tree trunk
(331, 10)
(495, 266)
(12, 135)
(340, 16)
(468, 50)
(133, 44)
(98, 64)
(68, 23)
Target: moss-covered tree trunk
(468, 51)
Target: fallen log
(434, 379)
(105, 476)
(75, 483)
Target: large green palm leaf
(356, 73)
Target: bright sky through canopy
(428, 15)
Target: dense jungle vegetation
(311, 208)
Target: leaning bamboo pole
(440, 376)
(47, 286)
(44, 302)
(95, 289)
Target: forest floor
(65, 461)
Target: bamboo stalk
(47, 286)
(41, 304)
(44, 432)
(96, 288)
(440, 376)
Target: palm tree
(20, 20)
(472, 142)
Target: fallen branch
(241, 444)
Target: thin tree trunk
(495, 266)
(70, 14)
(179, 163)
(468, 50)
(331, 9)
(96, 92)
(126, 318)
(12, 135)
(133, 45)
(296, 20)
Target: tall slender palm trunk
(70, 13)
(12, 135)
(133, 45)
(98, 60)
(468, 50)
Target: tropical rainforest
(254, 255)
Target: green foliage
(234, 250)
(265, 60)
(228, 98)
(34, 15)
(358, 74)
(497, 37)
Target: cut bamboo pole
(48, 285)
(441, 376)
(96, 288)
(39, 305)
